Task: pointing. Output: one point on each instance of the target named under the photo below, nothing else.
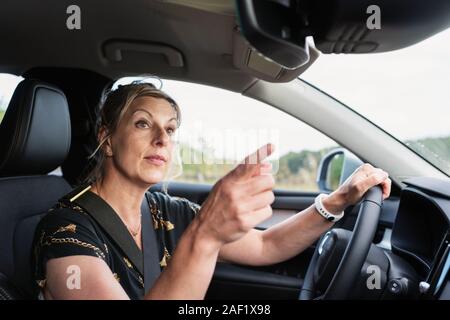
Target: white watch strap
(324, 212)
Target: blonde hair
(111, 113)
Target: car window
(219, 128)
(405, 92)
(8, 83)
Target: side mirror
(335, 167)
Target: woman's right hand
(239, 201)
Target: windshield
(405, 92)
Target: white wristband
(324, 212)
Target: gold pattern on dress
(127, 262)
(41, 283)
(51, 240)
(106, 248)
(70, 227)
(116, 276)
(167, 225)
(79, 209)
(158, 220)
(141, 281)
(195, 207)
(63, 205)
(165, 259)
(154, 208)
(155, 222)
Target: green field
(298, 170)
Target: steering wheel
(329, 250)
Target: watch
(324, 212)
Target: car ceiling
(34, 34)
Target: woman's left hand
(354, 188)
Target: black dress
(69, 230)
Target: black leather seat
(34, 140)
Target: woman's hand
(239, 201)
(354, 188)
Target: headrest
(35, 131)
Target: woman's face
(143, 143)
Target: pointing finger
(252, 163)
(259, 155)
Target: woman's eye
(142, 124)
(170, 131)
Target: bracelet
(324, 212)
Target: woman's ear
(104, 139)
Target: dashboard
(421, 233)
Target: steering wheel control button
(395, 287)
(398, 286)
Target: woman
(76, 257)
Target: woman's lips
(156, 160)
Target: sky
(406, 92)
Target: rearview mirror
(273, 29)
(278, 28)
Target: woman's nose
(161, 137)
